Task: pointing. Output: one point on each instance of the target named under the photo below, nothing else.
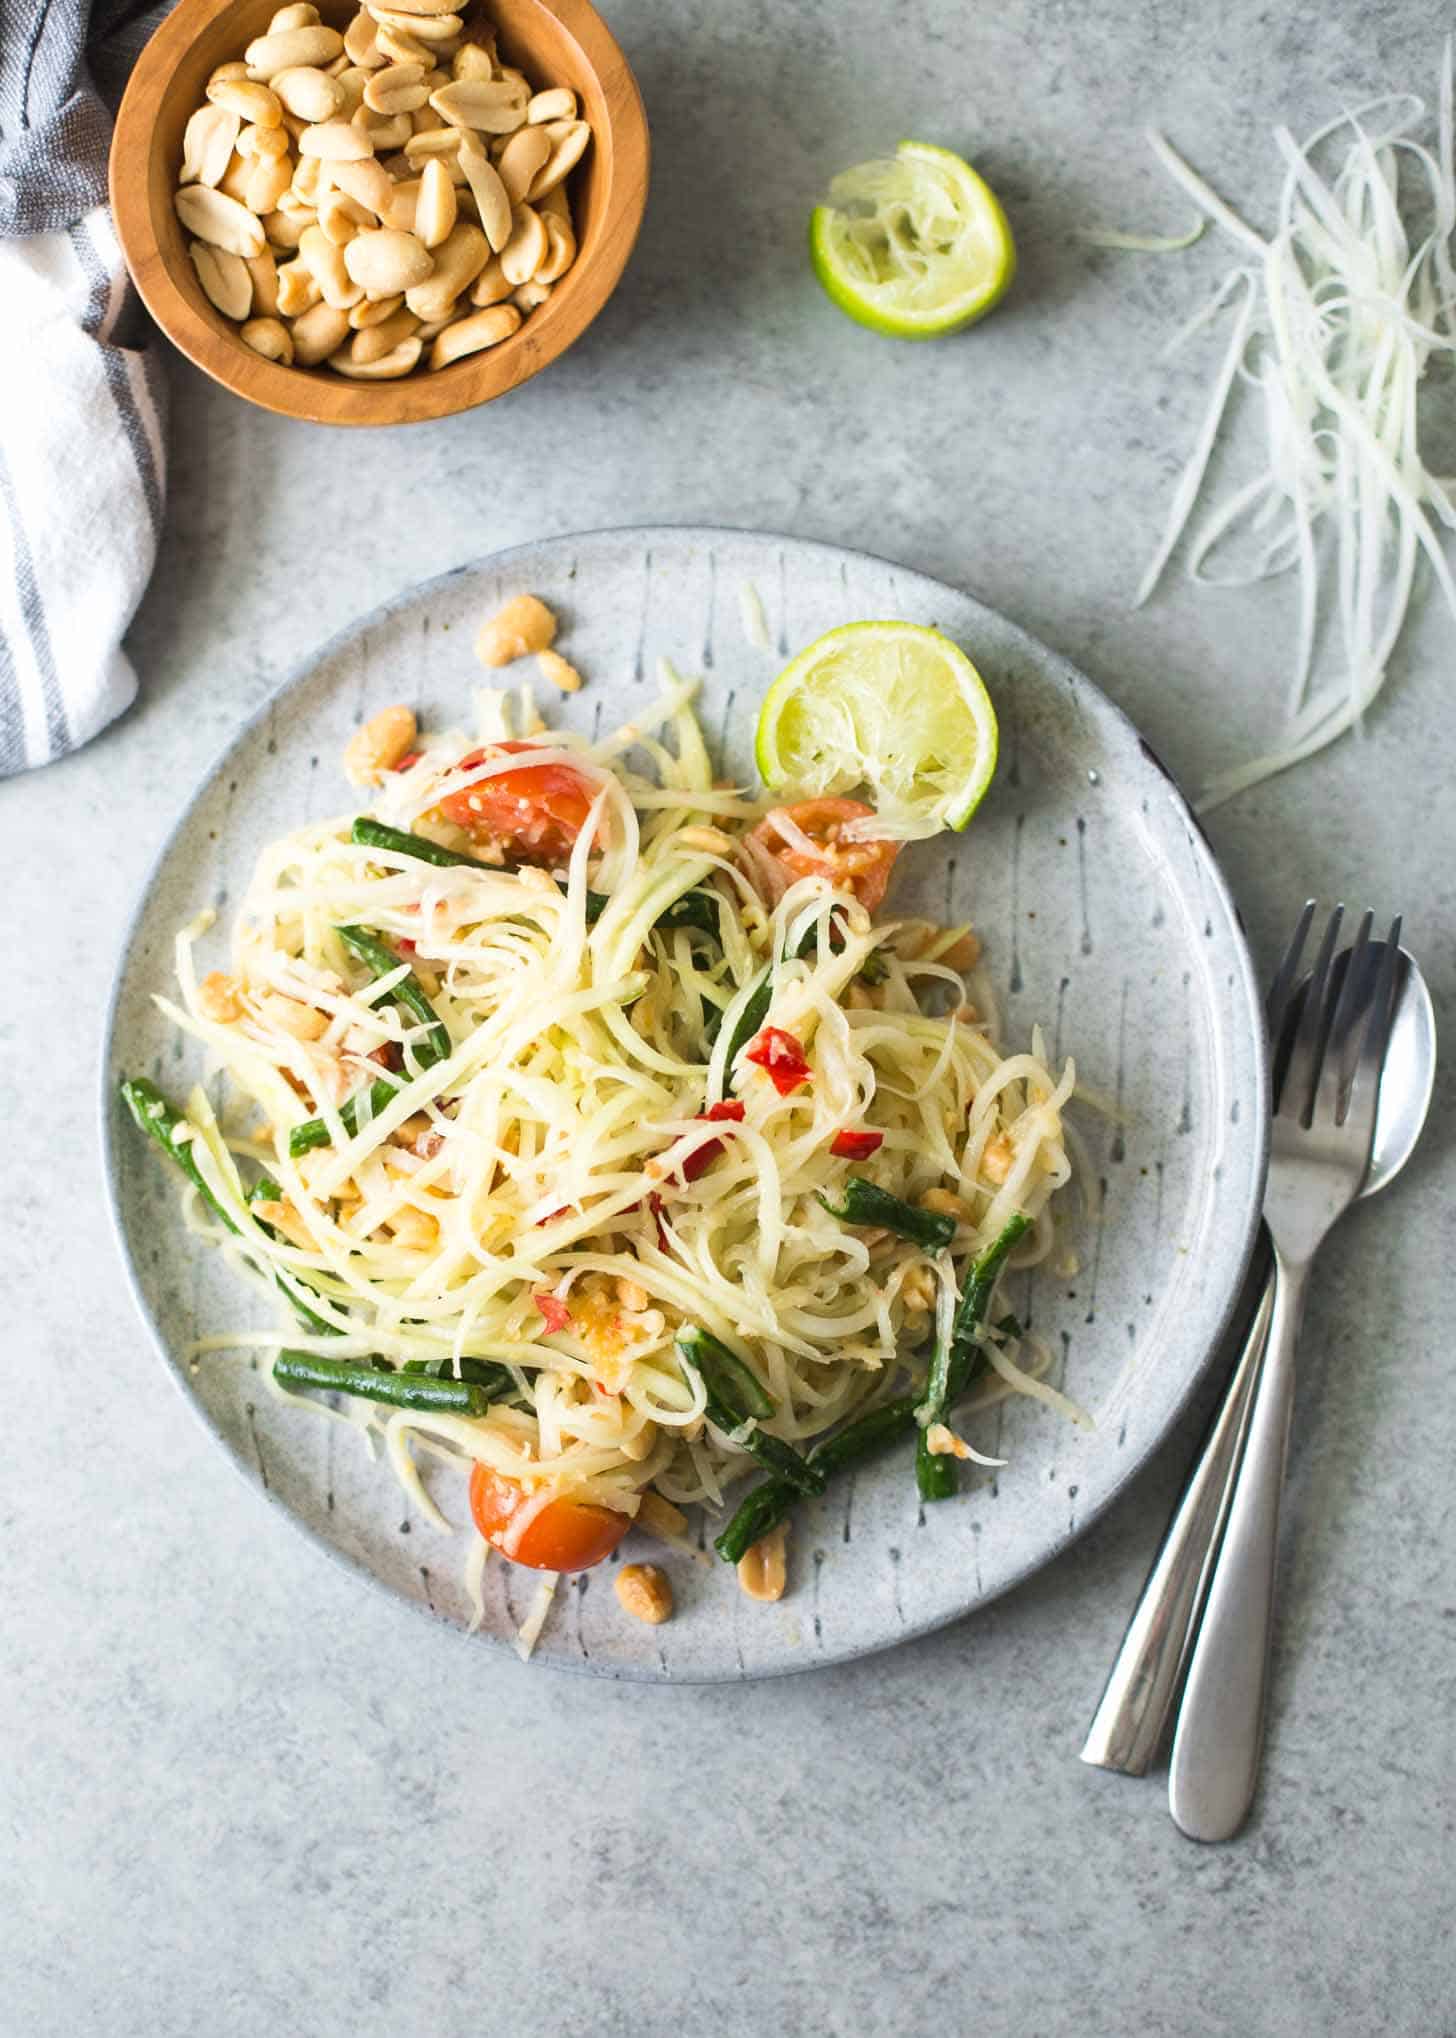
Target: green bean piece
(863, 1202)
(496, 1381)
(160, 1121)
(728, 1380)
(938, 1477)
(314, 1132)
(735, 1395)
(772, 1501)
(373, 1383)
(751, 1018)
(372, 834)
(696, 911)
(408, 994)
(953, 1365)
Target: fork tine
(1283, 982)
(1365, 1084)
(1307, 1048)
(1347, 1026)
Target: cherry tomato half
(860, 867)
(547, 1532)
(535, 812)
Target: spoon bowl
(1407, 1079)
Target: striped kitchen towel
(82, 460)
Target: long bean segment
(420, 1391)
(773, 1500)
(162, 1122)
(735, 1396)
(953, 1364)
(862, 1202)
(493, 1379)
(371, 834)
(407, 995)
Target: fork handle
(1220, 1733)
(1128, 1727)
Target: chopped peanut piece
(560, 671)
(944, 1443)
(632, 1294)
(963, 954)
(525, 625)
(763, 1567)
(996, 1160)
(711, 841)
(303, 1022)
(945, 1203)
(284, 1217)
(218, 997)
(917, 1291)
(415, 1229)
(645, 1593)
(659, 1517)
(379, 745)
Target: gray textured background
(241, 1796)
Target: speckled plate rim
(1237, 951)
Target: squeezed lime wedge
(915, 245)
(893, 708)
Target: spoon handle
(1128, 1726)
(1220, 1734)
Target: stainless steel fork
(1329, 1043)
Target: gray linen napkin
(82, 404)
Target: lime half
(891, 707)
(914, 246)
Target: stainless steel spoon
(1131, 1721)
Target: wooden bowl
(564, 43)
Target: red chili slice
(856, 1146)
(406, 946)
(782, 1057)
(703, 1157)
(654, 1204)
(554, 1312)
(410, 757)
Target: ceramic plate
(1105, 920)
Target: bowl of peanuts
(375, 215)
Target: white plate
(1104, 918)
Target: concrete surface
(241, 1796)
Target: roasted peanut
(560, 671)
(225, 279)
(470, 335)
(523, 626)
(219, 220)
(415, 1229)
(643, 1591)
(219, 998)
(317, 333)
(763, 1568)
(997, 1157)
(291, 1016)
(659, 1517)
(271, 338)
(378, 745)
(946, 1203)
(310, 94)
(963, 953)
(207, 144)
